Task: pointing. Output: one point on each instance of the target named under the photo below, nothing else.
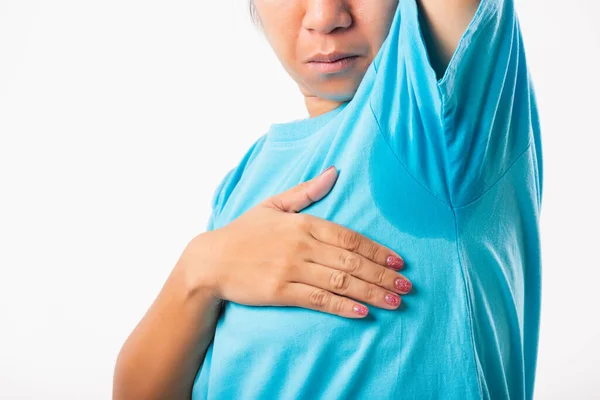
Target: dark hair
(253, 14)
(252, 9)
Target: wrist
(198, 269)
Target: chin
(339, 89)
(341, 93)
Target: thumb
(306, 193)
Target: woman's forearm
(160, 358)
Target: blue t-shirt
(447, 173)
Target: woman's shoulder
(234, 174)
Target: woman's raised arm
(445, 21)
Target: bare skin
(316, 264)
(299, 29)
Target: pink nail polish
(360, 309)
(392, 299)
(323, 173)
(403, 285)
(394, 262)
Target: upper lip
(329, 57)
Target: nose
(324, 16)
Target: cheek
(377, 21)
(282, 23)
(377, 35)
(283, 39)
(284, 47)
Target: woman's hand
(273, 255)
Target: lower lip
(336, 66)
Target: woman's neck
(317, 106)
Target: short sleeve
(217, 199)
(226, 187)
(459, 134)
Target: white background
(119, 117)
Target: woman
(427, 111)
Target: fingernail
(392, 299)
(394, 262)
(326, 170)
(403, 285)
(360, 309)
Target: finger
(306, 296)
(342, 283)
(304, 194)
(338, 235)
(360, 267)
